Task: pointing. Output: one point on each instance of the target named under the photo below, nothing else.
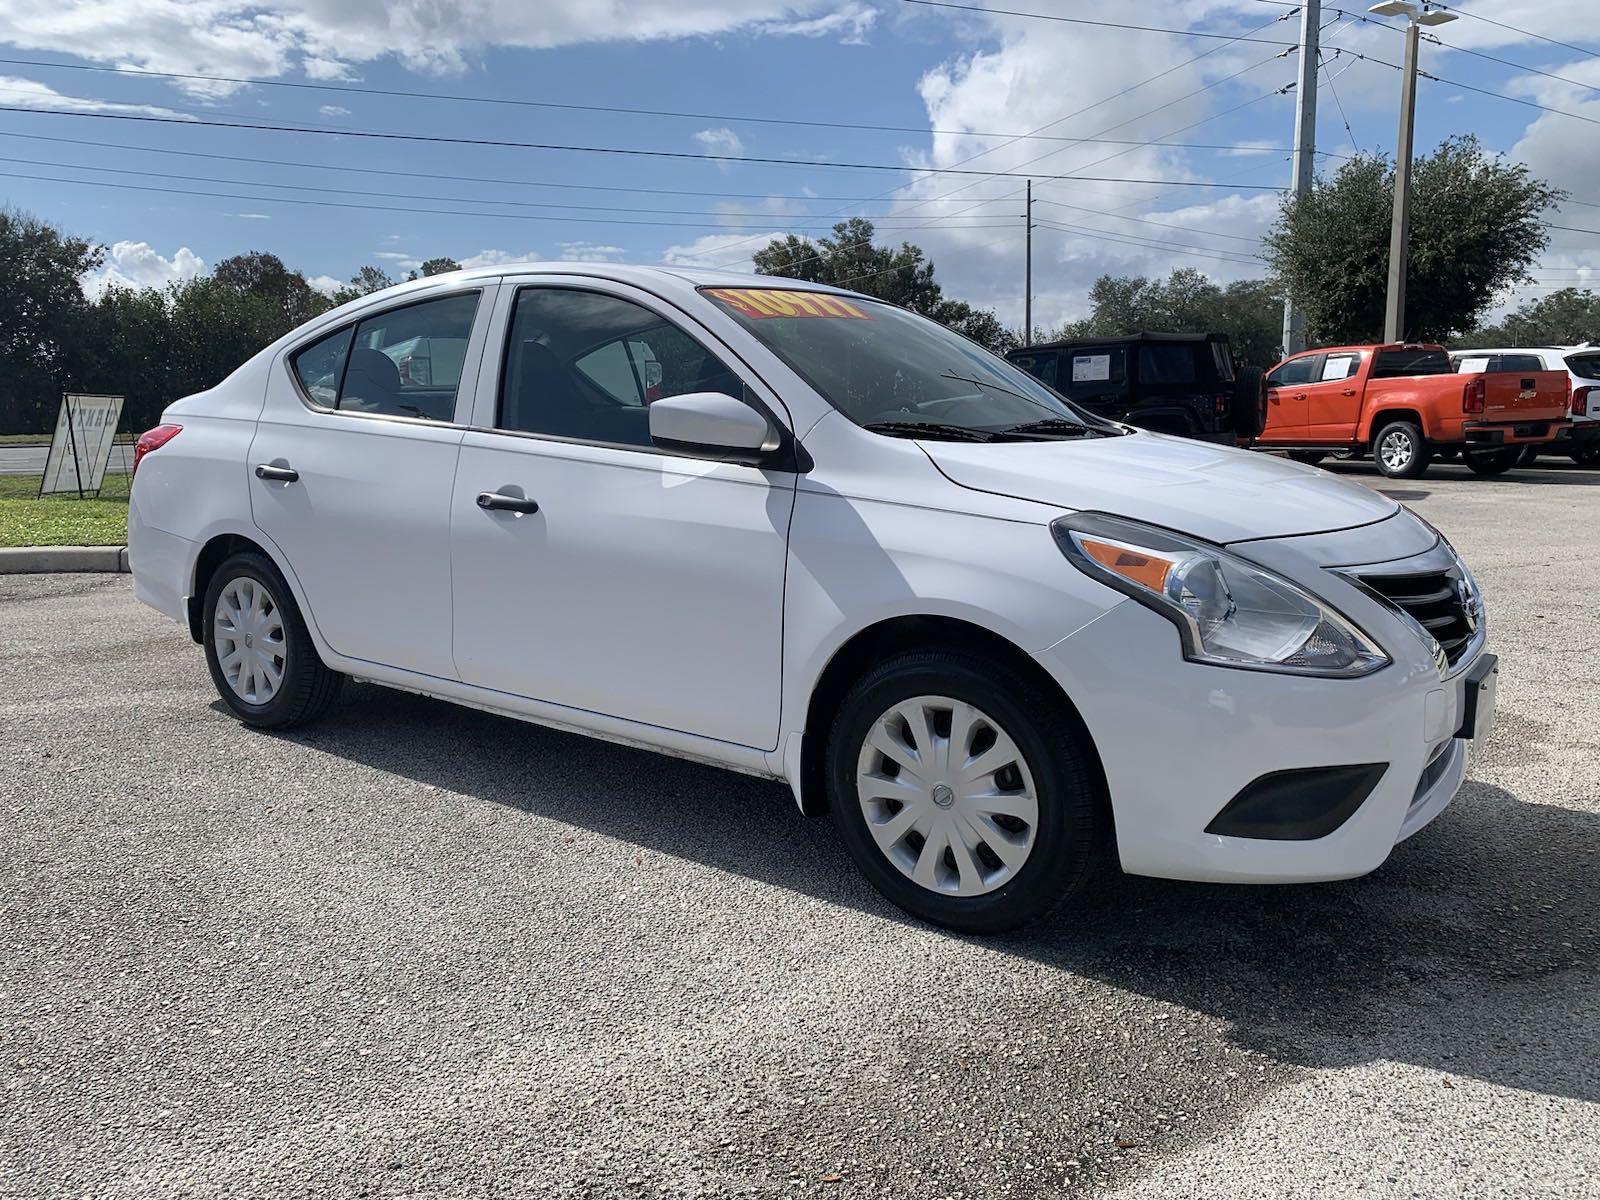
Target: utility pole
(1027, 271)
(1394, 309)
(1305, 148)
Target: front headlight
(1229, 613)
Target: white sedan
(800, 533)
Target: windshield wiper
(1059, 425)
(930, 429)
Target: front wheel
(1496, 462)
(1399, 450)
(261, 658)
(962, 791)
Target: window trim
(788, 455)
(294, 351)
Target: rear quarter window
(1586, 366)
(1165, 363)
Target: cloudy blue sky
(943, 87)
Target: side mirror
(711, 425)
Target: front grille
(1435, 599)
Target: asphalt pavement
(30, 460)
(420, 951)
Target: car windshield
(893, 371)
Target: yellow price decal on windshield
(760, 303)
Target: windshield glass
(882, 366)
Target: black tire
(1588, 456)
(1530, 456)
(1067, 835)
(307, 686)
(1249, 402)
(1495, 462)
(1401, 466)
(1309, 457)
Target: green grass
(62, 520)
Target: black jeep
(1178, 383)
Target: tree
(364, 282)
(902, 276)
(1475, 230)
(438, 266)
(1568, 317)
(41, 311)
(1249, 311)
(261, 274)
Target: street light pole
(1394, 309)
(1027, 270)
(1305, 145)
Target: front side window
(403, 362)
(1041, 366)
(587, 366)
(1295, 372)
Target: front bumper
(1179, 740)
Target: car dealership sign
(86, 427)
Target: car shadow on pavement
(1438, 959)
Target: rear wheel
(1495, 462)
(261, 658)
(1589, 456)
(1400, 451)
(1530, 456)
(961, 791)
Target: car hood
(1209, 491)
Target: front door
(625, 581)
(351, 474)
(1286, 399)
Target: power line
(1171, 247)
(1506, 62)
(1461, 12)
(400, 93)
(502, 143)
(1009, 12)
(1237, 237)
(448, 212)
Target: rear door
(359, 458)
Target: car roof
(1509, 350)
(673, 275)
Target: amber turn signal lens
(1143, 569)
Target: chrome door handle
(498, 501)
(281, 474)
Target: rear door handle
(1348, 392)
(499, 501)
(1299, 395)
(281, 474)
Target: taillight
(1222, 403)
(1474, 395)
(153, 439)
(1580, 399)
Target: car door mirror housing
(712, 425)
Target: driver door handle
(281, 474)
(500, 502)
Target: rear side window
(1160, 363)
(1587, 366)
(1519, 362)
(1093, 369)
(1339, 366)
(320, 365)
(403, 362)
(1391, 364)
(1295, 371)
(1472, 364)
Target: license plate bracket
(1478, 697)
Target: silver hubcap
(248, 632)
(947, 796)
(1395, 449)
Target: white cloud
(591, 252)
(327, 38)
(326, 284)
(334, 110)
(728, 251)
(498, 258)
(722, 141)
(138, 264)
(250, 216)
(30, 93)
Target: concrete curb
(39, 560)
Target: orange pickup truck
(1404, 404)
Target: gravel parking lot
(421, 951)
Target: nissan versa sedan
(799, 533)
